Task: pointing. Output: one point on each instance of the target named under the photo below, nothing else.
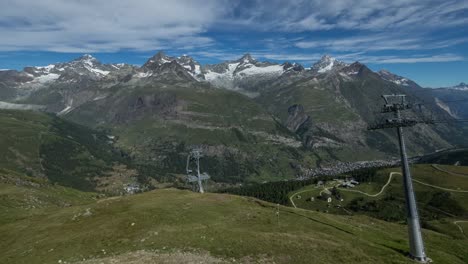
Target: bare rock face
(158, 105)
(296, 118)
(300, 123)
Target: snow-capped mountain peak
(84, 67)
(247, 58)
(156, 61)
(461, 87)
(287, 66)
(192, 66)
(161, 64)
(326, 64)
(87, 60)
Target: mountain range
(254, 120)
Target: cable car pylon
(193, 159)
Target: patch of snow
(273, 69)
(5, 105)
(197, 69)
(399, 81)
(231, 68)
(67, 109)
(47, 68)
(460, 87)
(99, 97)
(97, 71)
(446, 108)
(328, 67)
(88, 60)
(101, 71)
(47, 78)
(211, 75)
(164, 60)
(143, 74)
(228, 74)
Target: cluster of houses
(132, 188)
(327, 194)
(349, 183)
(343, 167)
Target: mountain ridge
(256, 120)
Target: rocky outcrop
(296, 117)
(300, 123)
(160, 105)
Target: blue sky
(425, 40)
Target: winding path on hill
(459, 227)
(388, 182)
(435, 166)
(385, 186)
(377, 194)
(441, 188)
(326, 188)
(291, 200)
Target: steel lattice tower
(396, 103)
(195, 156)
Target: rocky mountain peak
(192, 66)
(157, 60)
(389, 76)
(160, 55)
(247, 58)
(86, 59)
(354, 68)
(287, 66)
(462, 86)
(400, 80)
(185, 58)
(327, 63)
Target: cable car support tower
(396, 103)
(193, 159)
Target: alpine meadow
(233, 131)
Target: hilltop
(214, 228)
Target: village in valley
(326, 196)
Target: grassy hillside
(442, 197)
(23, 196)
(159, 124)
(45, 146)
(182, 226)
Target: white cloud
(259, 55)
(434, 58)
(309, 58)
(380, 42)
(91, 26)
(144, 25)
(380, 59)
(313, 15)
